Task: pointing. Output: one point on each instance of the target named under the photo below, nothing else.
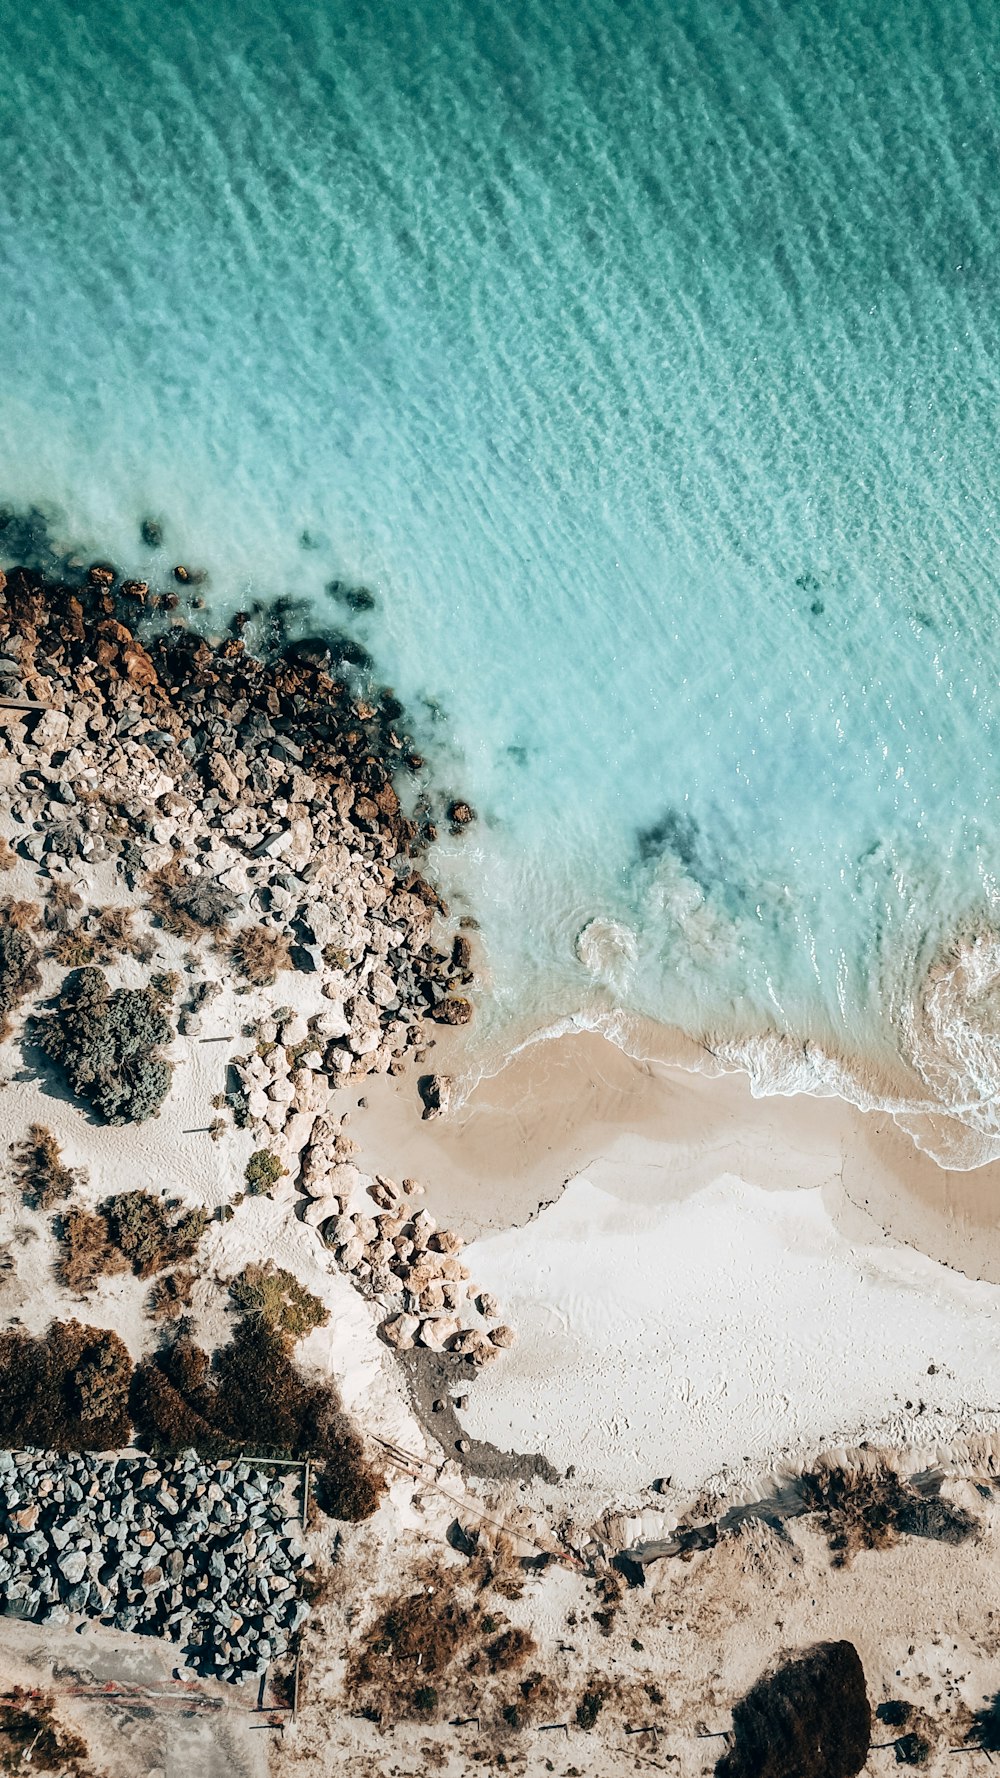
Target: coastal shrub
(171, 1295)
(68, 1390)
(149, 1238)
(130, 1232)
(262, 1172)
(809, 1719)
(19, 972)
(23, 915)
(255, 1398)
(510, 1650)
(73, 948)
(32, 1738)
(259, 954)
(590, 1706)
(189, 906)
(39, 1170)
(277, 1297)
(61, 903)
(109, 1045)
(871, 1508)
(436, 1628)
(985, 1728)
(102, 936)
(8, 856)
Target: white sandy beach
(724, 1282)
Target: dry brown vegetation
(85, 1250)
(259, 954)
(810, 1718)
(445, 1634)
(102, 936)
(71, 948)
(171, 1295)
(152, 1233)
(133, 1231)
(255, 1399)
(23, 915)
(8, 856)
(62, 901)
(189, 906)
(75, 1389)
(32, 1738)
(39, 1170)
(65, 1391)
(871, 1508)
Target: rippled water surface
(643, 359)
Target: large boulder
(810, 1718)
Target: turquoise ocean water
(643, 360)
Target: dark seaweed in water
(810, 1719)
(25, 537)
(674, 832)
(356, 598)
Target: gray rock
(73, 1567)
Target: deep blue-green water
(643, 359)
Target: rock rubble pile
(208, 1555)
(398, 1255)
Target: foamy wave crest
(679, 907)
(950, 1031)
(946, 1095)
(608, 949)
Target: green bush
(277, 1297)
(263, 1170)
(109, 1045)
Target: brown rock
(502, 1336)
(461, 814)
(452, 1011)
(447, 1241)
(435, 1091)
(224, 776)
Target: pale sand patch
(727, 1279)
(710, 1336)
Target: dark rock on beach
(809, 1719)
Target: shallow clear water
(643, 359)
